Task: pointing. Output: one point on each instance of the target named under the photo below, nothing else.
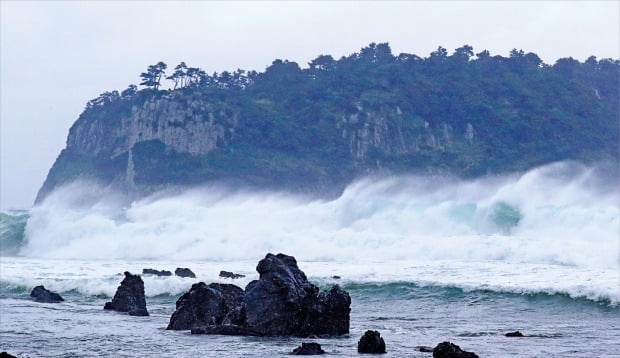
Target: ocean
(425, 260)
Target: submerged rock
(41, 294)
(148, 271)
(184, 272)
(514, 334)
(308, 349)
(228, 274)
(451, 350)
(283, 303)
(424, 349)
(205, 305)
(371, 342)
(129, 297)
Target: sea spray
(537, 217)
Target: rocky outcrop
(228, 274)
(129, 297)
(451, 350)
(184, 272)
(371, 342)
(148, 271)
(205, 305)
(41, 294)
(280, 303)
(308, 349)
(283, 303)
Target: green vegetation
(317, 128)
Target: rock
(308, 349)
(336, 277)
(154, 272)
(228, 274)
(205, 305)
(514, 334)
(6, 355)
(224, 329)
(129, 297)
(371, 342)
(41, 294)
(450, 350)
(424, 349)
(283, 303)
(184, 272)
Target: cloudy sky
(57, 55)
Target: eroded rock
(41, 294)
(451, 350)
(129, 297)
(371, 342)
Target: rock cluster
(129, 297)
(41, 294)
(228, 274)
(282, 302)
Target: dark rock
(224, 329)
(6, 355)
(514, 334)
(129, 297)
(156, 272)
(228, 274)
(308, 349)
(336, 277)
(450, 350)
(283, 303)
(205, 305)
(41, 294)
(371, 342)
(425, 349)
(184, 272)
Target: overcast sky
(57, 55)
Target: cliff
(315, 130)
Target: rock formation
(308, 349)
(129, 297)
(451, 350)
(184, 272)
(41, 294)
(371, 342)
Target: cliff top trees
(152, 77)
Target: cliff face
(315, 130)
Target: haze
(55, 56)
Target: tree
(130, 91)
(152, 76)
(179, 76)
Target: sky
(57, 55)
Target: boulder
(308, 349)
(514, 334)
(129, 297)
(283, 303)
(6, 355)
(205, 305)
(371, 342)
(424, 349)
(148, 271)
(184, 272)
(41, 294)
(228, 274)
(451, 350)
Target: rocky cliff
(315, 130)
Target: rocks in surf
(280, 303)
(308, 349)
(129, 297)
(514, 334)
(148, 271)
(451, 350)
(371, 342)
(228, 274)
(205, 305)
(184, 272)
(41, 294)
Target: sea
(425, 260)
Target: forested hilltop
(315, 129)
